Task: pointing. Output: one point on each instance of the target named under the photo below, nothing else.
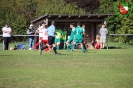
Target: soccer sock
(82, 49)
(69, 46)
(84, 46)
(72, 47)
(54, 48)
(64, 46)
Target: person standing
(6, 36)
(31, 32)
(51, 38)
(103, 32)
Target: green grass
(112, 68)
(116, 45)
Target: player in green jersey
(58, 38)
(63, 38)
(71, 38)
(79, 36)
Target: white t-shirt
(41, 31)
(6, 29)
(45, 34)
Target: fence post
(3, 45)
(107, 42)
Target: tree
(86, 5)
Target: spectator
(31, 32)
(6, 36)
(103, 32)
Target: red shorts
(45, 41)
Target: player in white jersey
(40, 31)
(45, 35)
(45, 39)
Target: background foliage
(19, 13)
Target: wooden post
(46, 21)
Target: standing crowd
(52, 37)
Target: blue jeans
(31, 42)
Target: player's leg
(82, 47)
(40, 40)
(50, 42)
(58, 44)
(64, 41)
(54, 45)
(45, 47)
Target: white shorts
(102, 39)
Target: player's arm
(54, 32)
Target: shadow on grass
(113, 47)
(6, 55)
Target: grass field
(112, 68)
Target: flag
(123, 8)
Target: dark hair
(72, 24)
(78, 24)
(52, 22)
(46, 26)
(43, 23)
(83, 24)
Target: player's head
(43, 24)
(103, 25)
(72, 25)
(78, 24)
(52, 23)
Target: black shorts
(51, 40)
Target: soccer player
(58, 37)
(51, 37)
(45, 40)
(83, 28)
(79, 36)
(40, 31)
(63, 38)
(103, 32)
(69, 42)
